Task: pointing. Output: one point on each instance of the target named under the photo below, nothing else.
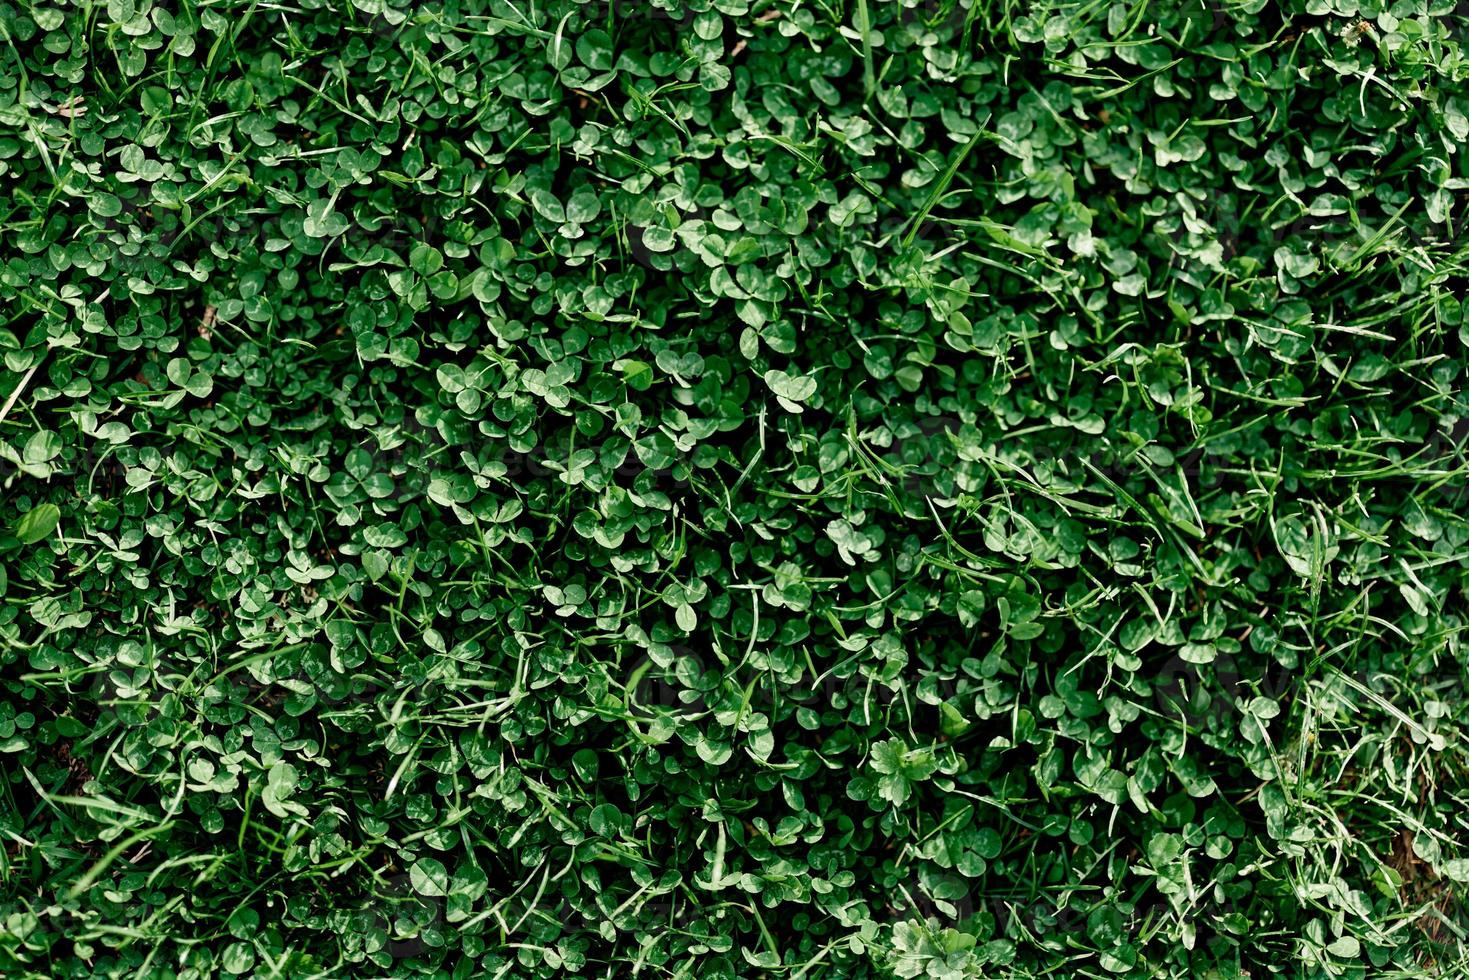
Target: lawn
(710, 489)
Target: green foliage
(734, 488)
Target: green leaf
(791, 388)
(38, 523)
(429, 877)
(547, 205)
(425, 260)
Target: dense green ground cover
(733, 488)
